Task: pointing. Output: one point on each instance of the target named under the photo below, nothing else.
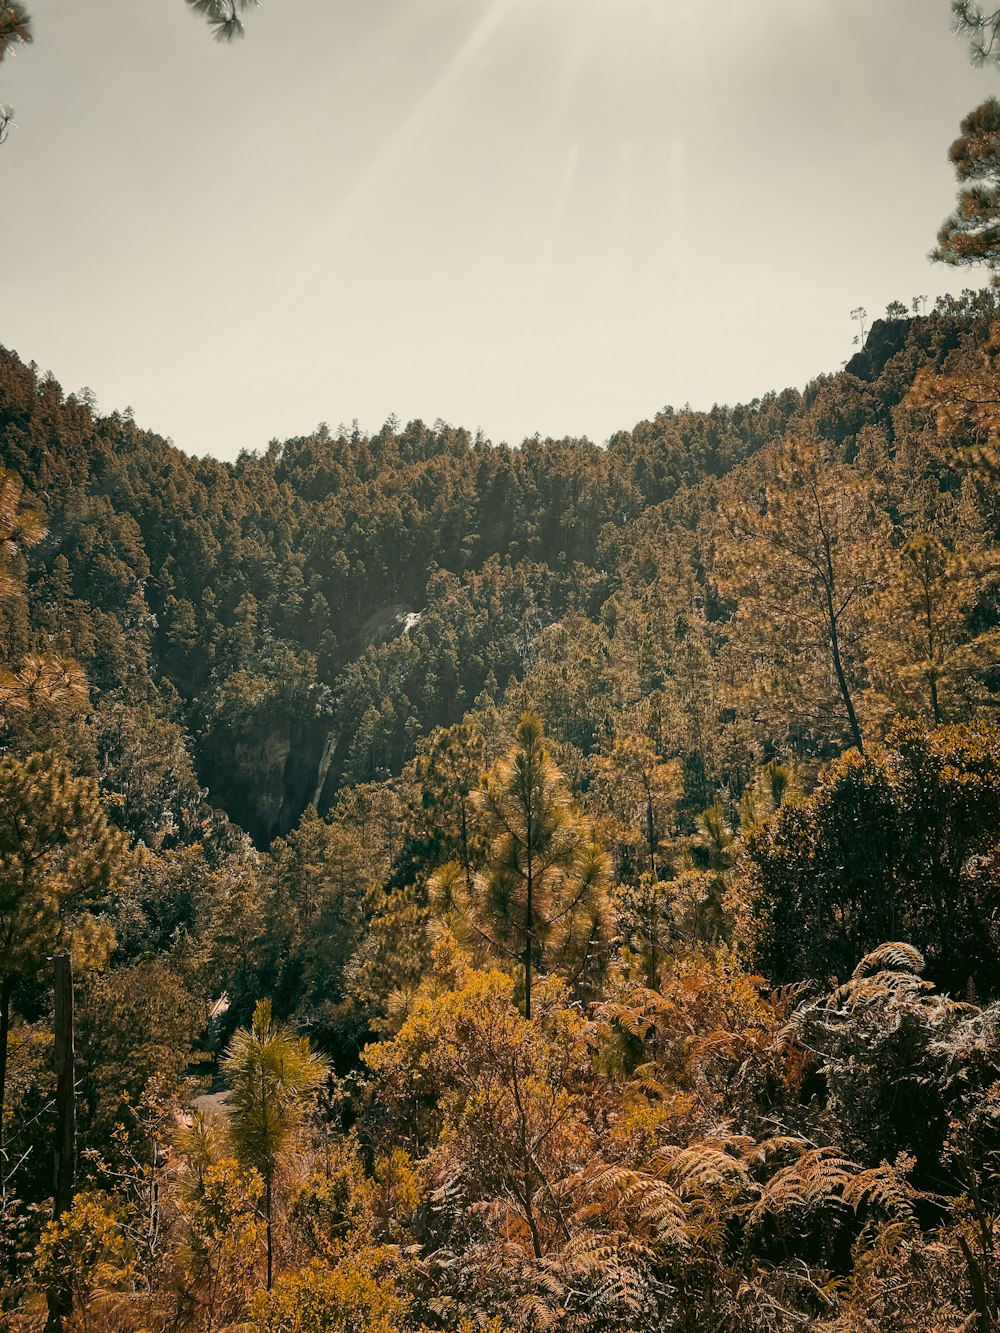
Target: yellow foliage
(359, 1294)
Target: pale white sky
(518, 215)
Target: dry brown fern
(893, 956)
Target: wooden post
(65, 1158)
(60, 1296)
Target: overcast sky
(517, 215)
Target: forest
(551, 887)
(456, 888)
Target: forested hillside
(571, 871)
(306, 616)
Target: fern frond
(893, 956)
(823, 1181)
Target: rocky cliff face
(263, 774)
(885, 338)
(266, 750)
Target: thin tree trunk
(527, 955)
(530, 885)
(829, 583)
(650, 828)
(527, 1166)
(845, 692)
(652, 941)
(267, 1229)
(985, 1322)
(60, 1295)
(935, 704)
(529, 908)
(65, 1154)
(465, 848)
(6, 991)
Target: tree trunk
(529, 881)
(829, 585)
(935, 704)
(60, 1295)
(527, 956)
(650, 830)
(931, 651)
(267, 1229)
(466, 866)
(845, 692)
(65, 1153)
(985, 1322)
(6, 991)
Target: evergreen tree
(441, 817)
(641, 791)
(898, 843)
(971, 234)
(540, 898)
(58, 854)
(802, 567)
(15, 25)
(933, 658)
(966, 408)
(982, 27)
(314, 884)
(272, 1072)
(223, 16)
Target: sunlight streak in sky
(523, 214)
(381, 177)
(622, 206)
(553, 231)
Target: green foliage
(214, 1273)
(333, 1207)
(135, 1025)
(89, 1249)
(146, 772)
(981, 28)
(971, 235)
(444, 776)
(897, 843)
(938, 660)
(641, 791)
(58, 856)
(540, 897)
(271, 1073)
(314, 905)
(510, 1128)
(802, 564)
(223, 16)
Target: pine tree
(802, 568)
(540, 899)
(932, 658)
(272, 1072)
(641, 790)
(965, 402)
(39, 679)
(971, 235)
(982, 27)
(58, 854)
(15, 25)
(445, 773)
(223, 16)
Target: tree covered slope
(573, 870)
